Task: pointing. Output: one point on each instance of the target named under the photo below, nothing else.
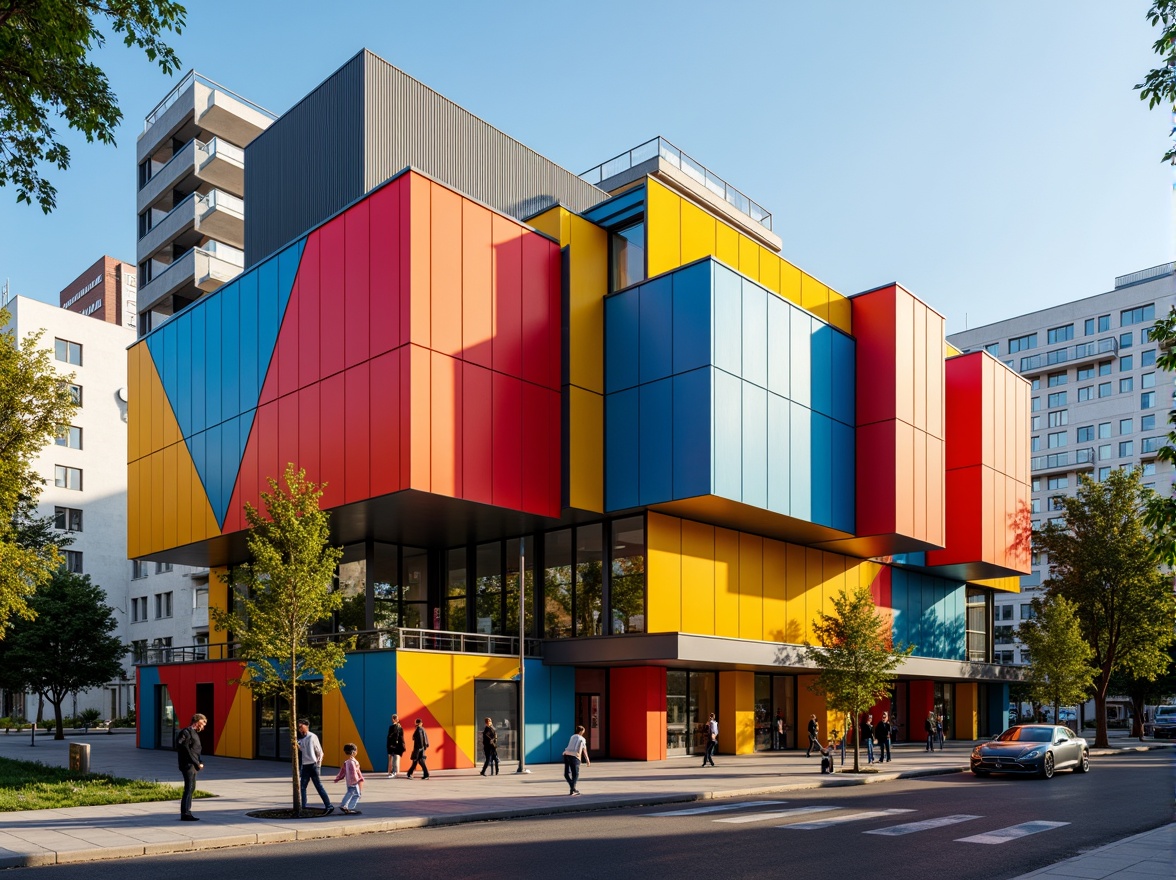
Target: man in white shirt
(712, 740)
(311, 751)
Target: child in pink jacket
(354, 776)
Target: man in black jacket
(191, 761)
(420, 745)
(814, 730)
(884, 733)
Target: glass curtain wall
(690, 698)
(456, 586)
(511, 592)
(588, 596)
(557, 584)
(627, 581)
(488, 585)
(414, 592)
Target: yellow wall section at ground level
(338, 730)
(678, 232)
(967, 711)
(808, 703)
(736, 713)
(236, 739)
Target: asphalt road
(927, 835)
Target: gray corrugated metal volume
(367, 122)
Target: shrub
(88, 717)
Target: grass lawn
(30, 785)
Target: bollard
(79, 757)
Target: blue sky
(991, 156)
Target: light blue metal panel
(728, 320)
(182, 402)
(199, 353)
(755, 444)
(800, 362)
(899, 602)
(844, 467)
(844, 368)
(250, 381)
(728, 444)
(656, 329)
(692, 433)
(755, 333)
(213, 369)
(656, 465)
(779, 345)
(800, 461)
(779, 453)
(692, 316)
(822, 469)
(230, 332)
(621, 449)
(822, 368)
(268, 319)
(622, 312)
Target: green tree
(1161, 510)
(68, 646)
(1142, 691)
(857, 658)
(1105, 561)
(1060, 670)
(46, 73)
(1159, 86)
(280, 595)
(35, 402)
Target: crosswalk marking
(1013, 832)
(837, 820)
(698, 811)
(925, 825)
(777, 814)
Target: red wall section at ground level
(637, 716)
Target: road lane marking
(778, 814)
(698, 811)
(925, 825)
(838, 820)
(1013, 832)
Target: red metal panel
(876, 481)
(285, 357)
(267, 451)
(332, 264)
(637, 713)
(535, 320)
(305, 303)
(965, 532)
(445, 415)
(476, 452)
(537, 451)
(405, 362)
(965, 424)
(873, 324)
(508, 283)
(555, 316)
(477, 268)
(246, 483)
(385, 241)
(419, 403)
(445, 252)
(356, 291)
(357, 435)
(308, 432)
(920, 701)
(332, 443)
(287, 433)
(551, 419)
(385, 424)
(416, 313)
(507, 430)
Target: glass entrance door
(703, 701)
(165, 728)
(498, 701)
(589, 715)
(677, 731)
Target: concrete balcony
(217, 215)
(1063, 462)
(197, 165)
(1084, 352)
(222, 216)
(196, 272)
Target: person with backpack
(395, 746)
(420, 747)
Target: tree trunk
(1100, 718)
(295, 755)
(1137, 721)
(857, 744)
(1057, 707)
(60, 728)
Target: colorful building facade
(619, 397)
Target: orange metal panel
(905, 466)
(919, 486)
(446, 426)
(904, 357)
(935, 370)
(918, 364)
(445, 247)
(168, 492)
(936, 502)
(795, 586)
(477, 268)
(420, 419)
(420, 260)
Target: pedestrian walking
(351, 772)
(929, 727)
(868, 738)
(779, 730)
(814, 730)
(939, 724)
(420, 748)
(576, 751)
(883, 732)
(711, 735)
(311, 751)
(490, 748)
(191, 762)
(395, 746)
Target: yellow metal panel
(807, 704)
(952, 351)
(814, 590)
(157, 401)
(698, 233)
(167, 493)
(835, 580)
(664, 573)
(840, 312)
(966, 724)
(769, 269)
(775, 620)
(585, 449)
(210, 526)
(726, 583)
(790, 282)
(1004, 584)
(814, 296)
(184, 506)
(736, 715)
(698, 578)
(218, 597)
(663, 228)
(133, 401)
(236, 739)
(794, 589)
(749, 263)
(155, 540)
(727, 241)
(588, 285)
(549, 223)
(133, 495)
(751, 586)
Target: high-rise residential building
(106, 291)
(604, 415)
(1098, 403)
(191, 187)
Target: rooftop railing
(193, 77)
(1072, 353)
(660, 147)
(1145, 275)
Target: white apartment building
(85, 491)
(1098, 403)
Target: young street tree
(1145, 691)
(1060, 670)
(1104, 560)
(46, 73)
(67, 647)
(35, 402)
(856, 656)
(280, 596)
(1159, 86)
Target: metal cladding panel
(308, 165)
(655, 433)
(637, 713)
(621, 449)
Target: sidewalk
(44, 837)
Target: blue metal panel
(844, 467)
(551, 691)
(779, 444)
(288, 262)
(199, 356)
(230, 333)
(182, 402)
(822, 368)
(898, 602)
(621, 317)
(621, 450)
(800, 362)
(692, 316)
(146, 709)
(755, 334)
(656, 465)
(655, 345)
(728, 321)
(267, 316)
(822, 469)
(250, 381)
(728, 424)
(843, 359)
(171, 367)
(213, 475)
(197, 446)
(618, 211)
(800, 455)
(692, 433)
(231, 451)
(997, 706)
(779, 345)
(213, 371)
(755, 443)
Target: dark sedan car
(1039, 749)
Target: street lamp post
(522, 722)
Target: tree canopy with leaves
(1060, 670)
(46, 74)
(857, 657)
(68, 646)
(279, 598)
(35, 402)
(1106, 562)
(1159, 86)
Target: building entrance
(690, 698)
(775, 712)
